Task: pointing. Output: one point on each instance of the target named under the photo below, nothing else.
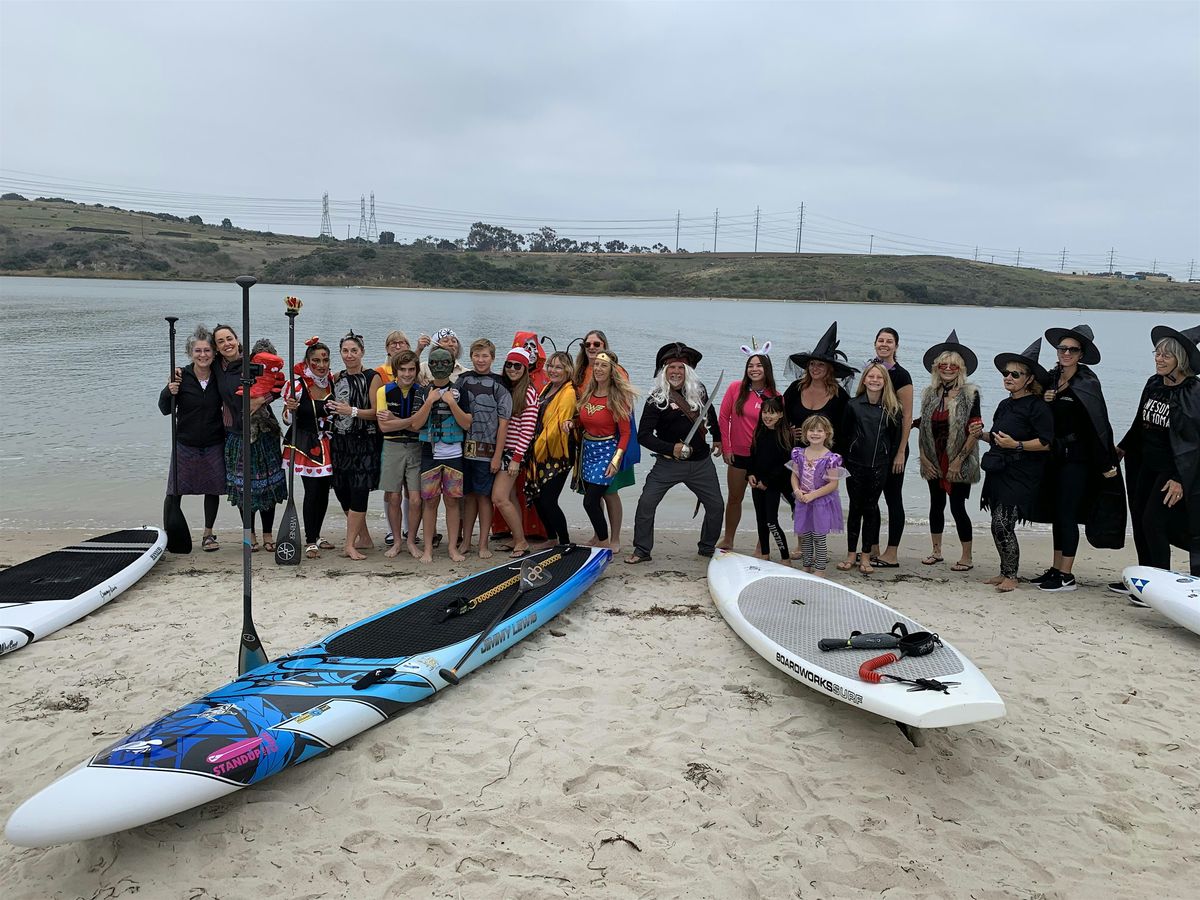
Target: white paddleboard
(1175, 596)
(42, 595)
(782, 613)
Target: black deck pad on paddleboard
(67, 573)
(423, 626)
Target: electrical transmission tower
(372, 228)
(326, 224)
(362, 217)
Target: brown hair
(403, 358)
(816, 422)
(768, 380)
(482, 344)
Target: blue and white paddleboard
(1174, 595)
(300, 705)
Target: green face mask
(441, 363)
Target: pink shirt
(737, 431)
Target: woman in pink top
(738, 419)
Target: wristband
(354, 412)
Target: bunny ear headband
(753, 349)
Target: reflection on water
(86, 446)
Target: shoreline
(634, 742)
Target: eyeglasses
(1009, 373)
(948, 367)
(1164, 354)
(597, 344)
(397, 343)
(1069, 350)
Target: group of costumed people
(512, 441)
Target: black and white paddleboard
(42, 595)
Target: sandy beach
(635, 747)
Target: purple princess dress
(823, 515)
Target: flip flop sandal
(209, 543)
(312, 551)
(883, 563)
(932, 560)
(634, 559)
(518, 554)
(269, 546)
(962, 567)
(323, 544)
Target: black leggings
(548, 510)
(593, 505)
(865, 485)
(267, 516)
(1004, 533)
(352, 499)
(766, 514)
(316, 504)
(893, 495)
(959, 492)
(212, 502)
(1070, 485)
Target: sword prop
(686, 451)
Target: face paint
(441, 363)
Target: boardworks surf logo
(227, 759)
(1139, 584)
(813, 678)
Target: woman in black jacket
(869, 438)
(1083, 453)
(1162, 454)
(200, 438)
(1014, 466)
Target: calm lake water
(90, 448)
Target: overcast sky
(1003, 125)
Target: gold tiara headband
(603, 357)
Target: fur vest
(960, 416)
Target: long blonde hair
(621, 394)
(891, 403)
(946, 356)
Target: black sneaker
(1039, 579)
(1118, 587)
(389, 539)
(1138, 601)
(1058, 581)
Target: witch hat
(1029, 358)
(826, 352)
(970, 360)
(1189, 338)
(1081, 333)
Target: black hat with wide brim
(826, 351)
(1188, 338)
(677, 350)
(970, 360)
(1027, 358)
(1081, 333)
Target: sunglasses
(948, 367)
(599, 344)
(513, 365)
(1009, 373)
(1069, 350)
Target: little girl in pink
(815, 474)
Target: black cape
(1185, 444)
(1104, 510)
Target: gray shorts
(401, 469)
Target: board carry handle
(860, 641)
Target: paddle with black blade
(250, 649)
(287, 539)
(530, 577)
(179, 537)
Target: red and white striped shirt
(521, 428)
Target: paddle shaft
(250, 650)
(171, 320)
(288, 537)
(451, 675)
(291, 314)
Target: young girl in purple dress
(815, 474)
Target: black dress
(356, 446)
(1013, 477)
